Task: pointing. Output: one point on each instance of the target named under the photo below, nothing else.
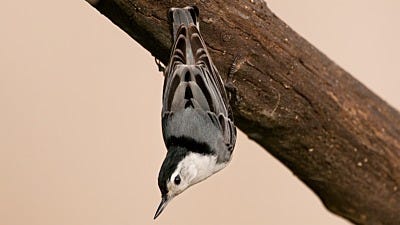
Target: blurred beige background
(80, 134)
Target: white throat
(200, 166)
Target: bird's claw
(229, 86)
(234, 67)
(161, 67)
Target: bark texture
(337, 136)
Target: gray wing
(192, 82)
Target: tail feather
(186, 16)
(184, 24)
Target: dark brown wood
(337, 136)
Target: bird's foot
(230, 87)
(234, 67)
(161, 67)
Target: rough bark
(337, 136)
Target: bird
(197, 119)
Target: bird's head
(181, 169)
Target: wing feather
(192, 81)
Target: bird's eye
(177, 180)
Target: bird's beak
(161, 207)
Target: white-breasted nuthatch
(197, 119)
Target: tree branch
(337, 136)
